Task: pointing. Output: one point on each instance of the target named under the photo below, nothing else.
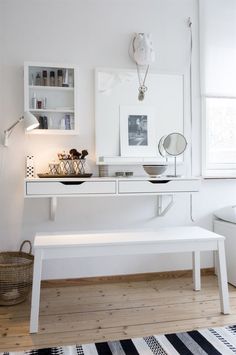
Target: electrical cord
(191, 94)
(191, 111)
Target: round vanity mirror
(173, 144)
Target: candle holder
(79, 166)
(72, 167)
(54, 168)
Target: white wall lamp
(142, 53)
(30, 122)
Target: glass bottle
(34, 101)
(38, 79)
(45, 78)
(52, 78)
(59, 77)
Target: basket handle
(30, 246)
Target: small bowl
(155, 170)
(129, 173)
(119, 173)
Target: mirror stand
(172, 145)
(175, 169)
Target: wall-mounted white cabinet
(109, 186)
(49, 187)
(50, 93)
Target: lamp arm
(13, 125)
(8, 131)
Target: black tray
(46, 175)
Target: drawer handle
(72, 182)
(159, 181)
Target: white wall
(93, 34)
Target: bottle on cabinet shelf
(44, 101)
(38, 79)
(45, 78)
(59, 77)
(63, 123)
(40, 119)
(43, 122)
(39, 104)
(65, 78)
(34, 101)
(67, 122)
(52, 78)
(72, 122)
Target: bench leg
(215, 258)
(196, 271)
(222, 278)
(34, 316)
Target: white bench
(164, 240)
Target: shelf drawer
(156, 186)
(53, 188)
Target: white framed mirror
(127, 130)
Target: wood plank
(98, 312)
(78, 304)
(112, 333)
(131, 287)
(124, 278)
(120, 317)
(116, 296)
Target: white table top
(161, 235)
(114, 178)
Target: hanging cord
(191, 112)
(142, 87)
(191, 95)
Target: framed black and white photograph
(137, 131)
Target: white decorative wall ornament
(142, 53)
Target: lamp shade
(30, 121)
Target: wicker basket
(16, 272)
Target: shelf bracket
(53, 208)
(161, 212)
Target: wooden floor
(89, 313)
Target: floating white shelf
(119, 160)
(52, 131)
(51, 110)
(52, 88)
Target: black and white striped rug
(212, 341)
